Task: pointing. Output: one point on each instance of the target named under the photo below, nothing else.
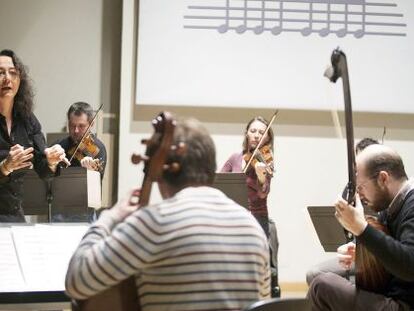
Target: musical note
(343, 31)
(326, 30)
(317, 15)
(361, 32)
(276, 30)
(225, 27)
(260, 28)
(242, 28)
(306, 31)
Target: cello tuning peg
(179, 149)
(137, 158)
(173, 167)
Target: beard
(381, 199)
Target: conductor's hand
(346, 255)
(55, 155)
(126, 205)
(18, 158)
(350, 217)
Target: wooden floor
(291, 290)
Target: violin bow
(85, 134)
(260, 141)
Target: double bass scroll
(370, 274)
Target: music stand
(329, 231)
(72, 197)
(34, 194)
(234, 186)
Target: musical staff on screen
(323, 17)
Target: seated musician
(196, 250)
(332, 265)
(258, 179)
(22, 143)
(91, 154)
(383, 185)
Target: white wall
(60, 42)
(310, 158)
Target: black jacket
(27, 133)
(396, 251)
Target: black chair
(280, 304)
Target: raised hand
(18, 158)
(55, 155)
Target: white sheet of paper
(44, 252)
(94, 189)
(11, 278)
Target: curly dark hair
(23, 101)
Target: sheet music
(94, 189)
(11, 278)
(43, 252)
(323, 17)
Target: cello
(123, 296)
(370, 274)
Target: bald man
(383, 185)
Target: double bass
(369, 272)
(124, 297)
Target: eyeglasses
(13, 74)
(362, 185)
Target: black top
(67, 143)
(396, 251)
(27, 133)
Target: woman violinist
(259, 173)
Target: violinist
(258, 178)
(22, 143)
(383, 185)
(260, 172)
(91, 153)
(181, 251)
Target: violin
(87, 148)
(264, 155)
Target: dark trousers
(329, 291)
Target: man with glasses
(384, 187)
(333, 265)
(91, 154)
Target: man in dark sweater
(91, 154)
(383, 185)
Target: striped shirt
(198, 250)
